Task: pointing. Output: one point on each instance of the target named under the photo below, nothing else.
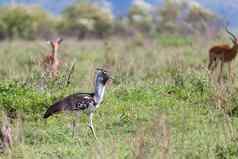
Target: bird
(83, 102)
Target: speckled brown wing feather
(75, 102)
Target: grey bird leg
(90, 125)
(74, 125)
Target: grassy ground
(160, 105)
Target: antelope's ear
(51, 43)
(59, 40)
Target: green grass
(173, 40)
(160, 105)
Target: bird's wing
(78, 101)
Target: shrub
(140, 18)
(230, 151)
(84, 18)
(184, 17)
(23, 22)
(15, 96)
(199, 18)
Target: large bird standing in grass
(86, 102)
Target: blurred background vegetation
(84, 19)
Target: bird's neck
(99, 92)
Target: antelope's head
(232, 37)
(55, 43)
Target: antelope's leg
(213, 65)
(90, 124)
(221, 71)
(231, 75)
(229, 70)
(210, 63)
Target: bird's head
(102, 76)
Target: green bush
(15, 96)
(229, 151)
(173, 41)
(140, 18)
(184, 17)
(86, 18)
(25, 22)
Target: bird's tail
(55, 108)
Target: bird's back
(75, 102)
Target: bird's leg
(73, 125)
(90, 124)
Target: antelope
(223, 53)
(6, 136)
(51, 62)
